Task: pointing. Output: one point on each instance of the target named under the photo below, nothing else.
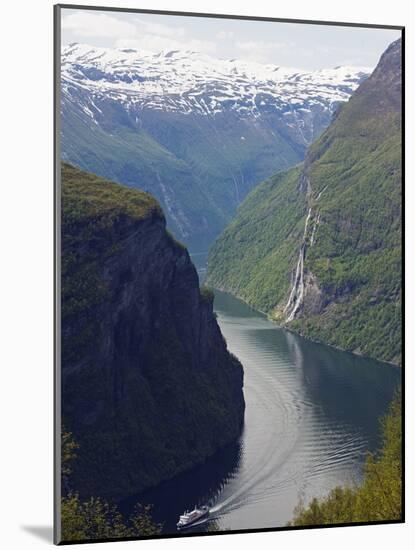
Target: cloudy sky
(287, 44)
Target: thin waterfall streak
(297, 292)
(316, 223)
(236, 189)
(321, 192)
(292, 294)
(300, 288)
(306, 223)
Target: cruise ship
(189, 518)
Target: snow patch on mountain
(190, 82)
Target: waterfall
(306, 223)
(321, 192)
(176, 214)
(316, 223)
(295, 282)
(235, 181)
(297, 292)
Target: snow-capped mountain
(219, 126)
(189, 82)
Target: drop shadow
(43, 532)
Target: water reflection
(200, 486)
(312, 413)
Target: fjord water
(312, 413)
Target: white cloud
(148, 42)
(268, 51)
(97, 25)
(225, 35)
(159, 29)
(306, 46)
(154, 43)
(262, 46)
(135, 33)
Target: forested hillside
(149, 388)
(318, 247)
(378, 498)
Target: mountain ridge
(319, 247)
(146, 78)
(195, 132)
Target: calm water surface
(311, 415)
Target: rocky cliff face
(148, 386)
(319, 247)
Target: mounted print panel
(228, 274)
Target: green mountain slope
(319, 247)
(149, 388)
(197, 169)
(132, 157)
(196, 132)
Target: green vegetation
(356, 258)
(246, 259)
(148, 387)
(207, 294)
(95, 518)
(68, 452)
(198, 168)
(133, 157)
(350, 183)
(96, 203)
(378, 498)
(96, 214)
(173, 417)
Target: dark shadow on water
(43, 532)
(350, 390)
(200, 486)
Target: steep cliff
(319, 247)
(148, 386)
